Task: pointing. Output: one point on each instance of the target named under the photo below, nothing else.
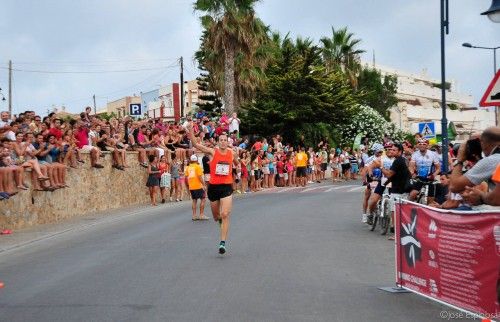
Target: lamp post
(490, 48)
(444, 121)
(468, 45)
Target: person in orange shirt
(301, 163)
(220, 187)
(196, 184)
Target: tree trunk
(229, 82)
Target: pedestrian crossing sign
(427, 130)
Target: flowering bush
(371, 124)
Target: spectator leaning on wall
(491, 198)
(483, 169)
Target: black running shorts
(216, 192)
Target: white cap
(194, 158)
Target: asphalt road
(293, 255)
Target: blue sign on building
(427, 130)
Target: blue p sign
(135, 109)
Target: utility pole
(182, 87)
(10, 88)
(95, 108)
(445, 24)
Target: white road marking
(288, 189)
(356, 189)
(310, 189)
(334, 188)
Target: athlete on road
(220, 187)
(422, 164)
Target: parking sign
(135, 109)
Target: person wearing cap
(196, 184)
(422, 164)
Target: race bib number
(222, 169)
(192, 173)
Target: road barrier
(450, 257)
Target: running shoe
(364, 218)
(222, 249)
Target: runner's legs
(225, 213)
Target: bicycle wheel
(385, 221)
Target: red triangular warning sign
(492, 95)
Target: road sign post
(492, 95)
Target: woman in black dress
(153, 178)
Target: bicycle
(382, 213)
(423, 194)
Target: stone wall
(90, 190)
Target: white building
(420, 101)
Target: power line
(89, 71)
(97, 62)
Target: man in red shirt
(257, 146)
(82, 141)
(56, 130)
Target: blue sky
(150, 35)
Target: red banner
(453, 257)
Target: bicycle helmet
(377, 147)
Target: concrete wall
(90, 190)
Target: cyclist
(422, 164)
(370, 179)
(383, 162)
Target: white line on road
(311, 189)
(340, 187)
(288, 189)
(356, 189)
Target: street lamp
(445, 23)
(490, 48)
(493, 12)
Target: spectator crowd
(51, 146)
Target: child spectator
(165, 178)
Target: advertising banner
(453, 257)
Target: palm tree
(340, 52)
(231, 45)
